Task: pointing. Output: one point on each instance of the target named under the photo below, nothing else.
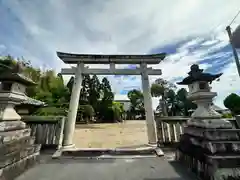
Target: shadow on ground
(182, 170)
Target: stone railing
(169, 129)
(47, 130)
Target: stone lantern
(12, 92)
(209, 145)
(17, 149)
(200, 94)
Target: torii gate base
(112, 60)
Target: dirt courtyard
(127, 134)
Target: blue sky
(189, 31)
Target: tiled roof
(34, 102)
(8, 76)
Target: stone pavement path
(108, 169)
(126, 134)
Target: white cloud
(2, 48)
(122, 26)
(229, 83)
(118, 26)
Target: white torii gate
(81, 59)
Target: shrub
(51, 111)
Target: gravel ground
(128, 133)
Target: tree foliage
(171, 103)
(85, 113)
(185, 105)
(160, 88)
(232, 102)
(118, 111)
(137, 103)
(96, 98)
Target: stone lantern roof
(15, 75)
(34, 102)
(197, 74)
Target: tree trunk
(163, 107)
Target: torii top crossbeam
(70, 58)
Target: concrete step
(110, 153)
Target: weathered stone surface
(216, 167)
(18, 155)
(6, 137)
(13, 146)
(11, 125)
(227, 173)
(210, 123)
(11, 171)
(8, 113)
(221, 147)
(209, 147)
(224, 161)
(207, 151)
(213, 134)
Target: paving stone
(156, 168)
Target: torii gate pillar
(150, 122)
(73, 108)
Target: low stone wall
(47, 130)
(170, 128)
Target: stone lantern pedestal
(17, 149)
(210, 145)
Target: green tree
(232, 102)
(8, 61)
(185, 104)
(94, 92)
(106, 113)
(70, 83)
(137, 103)
(35, 75)
(85, 112)
(118, 111)
(96, 98)
(51, 111)
(84, 93)
(160, 89)
(172, 103)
